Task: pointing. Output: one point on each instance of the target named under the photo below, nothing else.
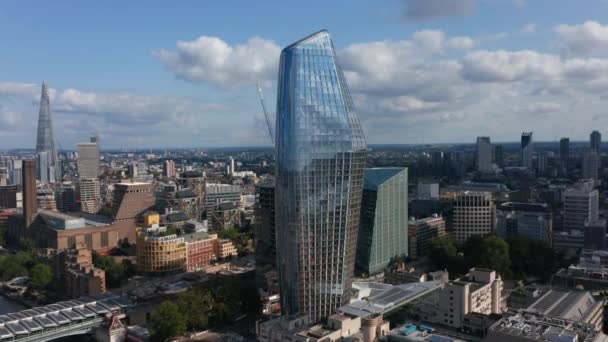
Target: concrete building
(591, 164)
(483, 154)
(199, 250)
(223, 248)
(384, 220)
(221, 193)
(580, 206)
(479, 292)
(88, 159)
(527, 150)
(15, 167)
(571, 239)
(45, 199)
(532, 220)
(74, 272)
(160, 252)
(426, 191)
(474, 214)
(421, 232)
(88, 195)
(595, 141)
(595, 234)
(169, 169)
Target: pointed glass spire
(46, 139)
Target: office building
(160, 252)
(564, 155)
(320, 154)
(532, 220)
(484, 154)
(474, 214)
(595, 140)
(570, 239)
(88, 195)
(45, 199)
(422, 232)
(383, 229)
(88, 159)
(30, 206)
(591, 164)
(543, 162)
(595, 234)
(8, 196)
(169, 169)
(264, 232)
(499, 158)
(221, 193)
(427, 191)
(479, 292)
(580, 206)
(48, 168)
(66, 198)
(527, 150)
(199, 250)
(14, 171)
(74, 272)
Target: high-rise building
(474, 214)
(169, 168)
(580, 206)
(591, 164)
(564, 155)
(89, 195)
(499, 158)
(45, 142)
(66, 198)
(543, 161)
(484, 154)
(384, 219)
(320, 153)
(527, 150)
(14, 171)
(596, 141)
(88, 159)
(264, 232)
(221, 193)
(30, 205)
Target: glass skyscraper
(527, 150)
(48, 170)
(383, 231)
(321, 152)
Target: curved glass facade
(321, 154)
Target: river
(8, 306)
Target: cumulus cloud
(210, 59)
(417, 10)
(583, 39)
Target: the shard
(321, 153)
(47, 167)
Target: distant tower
(484, 154)
(564, 155)
(46, 139)
(28, 179)
(527, 150)
(596, 141)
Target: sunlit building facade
(321, 152)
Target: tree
(196, 305)
(167, 321)
(12, 270)
(41, 275)
(488, 252)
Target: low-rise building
(160, 251)
(532, 220)
(421, 232)
(74, 272)
(199, 250)
(224, 248)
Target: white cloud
(583, 39)
(529, 28)
(212, 60)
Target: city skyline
(419, 73)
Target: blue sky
(183, 74)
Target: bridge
(73, 317)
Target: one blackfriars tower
(321, 154)
(47, 166)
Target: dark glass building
(527, 150)
(383, 231)
(595, 140)
(320, 153)
(564, 155)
